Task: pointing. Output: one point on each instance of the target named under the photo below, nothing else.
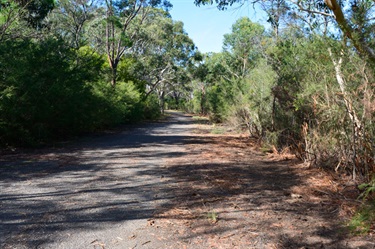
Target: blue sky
(206, 25)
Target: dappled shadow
(111, 185)
(90, 185)
(253, 200)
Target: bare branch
(311, 11)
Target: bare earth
(170, 184)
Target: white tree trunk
(357, 125)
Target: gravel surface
(100, 192)
(171, 184)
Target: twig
(146, 242)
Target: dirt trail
(164, 185)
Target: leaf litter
(231, 195)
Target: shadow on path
(105, 189)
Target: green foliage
(37, 10)
(212, 216)
(31, 11)
(364, 220)
(367, 188)
(118, 105)
(151, 107)
(163, 62)
(50, 92)
(52, 82)
(71, 19)
(236, 84)
(288, 95)
(42, 88)
(252, 106)
(217, 104)
(243, 45)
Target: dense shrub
(44, 94)
(49, 91)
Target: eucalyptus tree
(244, 46)
(231, 85)
(23, 19)
(276, 11)
(120, 15)
(247, 71)
(35, 10)
(10, 13)
(71, 19)
(324, 70)
(165, 54)
(354, 18)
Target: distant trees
(165, 55)
(71, 20)
(120, 15)
(353, 18)
(233, 83)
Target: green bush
(364, 220)
(45, 93)
(151, 108)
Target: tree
(23, 18)
(244, 45)
(356, 22)
(165, 53)
(119, 17)
(44, 94)
(36, 11)
(70, 18)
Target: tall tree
(36, 11)
(120, 14)
(23, 18)
(353, 17)
(244, 45)
(165, 53)
(70, 18)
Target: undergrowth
(363, 222)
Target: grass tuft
(363, 222)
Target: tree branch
(361, 46)
(311, 11)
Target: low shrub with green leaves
(363, 221)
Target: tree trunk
(203, 100)
(177, 100)
(114, 75)
(362, 48)
(356, 123)
(162, 101)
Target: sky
(206, 25)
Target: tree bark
(356, 123)
(348, 31)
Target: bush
(45, 93)
(151, 108)
(364, 220)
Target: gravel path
(171, 184)
(98, 193)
